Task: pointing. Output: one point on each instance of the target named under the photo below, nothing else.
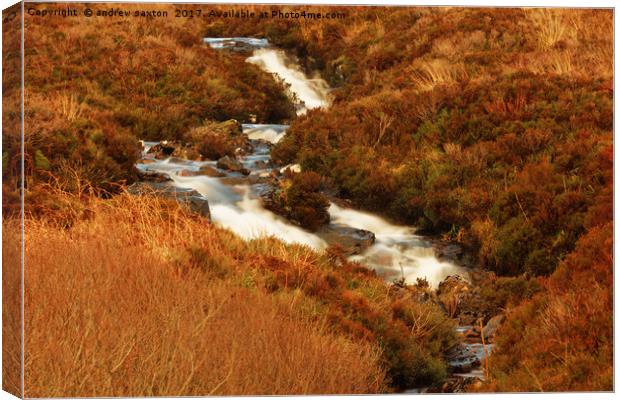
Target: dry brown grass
(112, 311)
(429, 74)
(575, 43)
(551, 25)
(11, 308)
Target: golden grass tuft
(575, 43)
(429, 74)
(114, 308)
(70, 108)
(551, 25)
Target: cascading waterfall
(312, 93)
(271, 133)
(236, 42)
(396, 252)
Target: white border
(477, 3)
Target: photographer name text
(182, 13)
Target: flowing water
(310, 93)
(397, 251)
(271, 133)
(235, 202)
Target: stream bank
(232, 188)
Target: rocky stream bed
(234, 191)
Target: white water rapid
(397, 251)
(311, 93)
(235, 202)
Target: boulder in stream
(232, 164)
(170, 148)
(457, 384)
(451, 293)
(152, 176)
(353, 241)
(210, 171)
(190, 198)
(453, 252)
(161, 150)
(205, 170)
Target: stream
(235, 202)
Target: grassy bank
(139, 298)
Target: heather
(96, 87)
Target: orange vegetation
(135, 297)
(111, 310)
(490, 126)
(563, 339)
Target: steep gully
(235, 203)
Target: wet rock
(146, 161)
(261, 164)
(352, 240)
(462, 359)
(210, 171)
(454, 284)
(456, 385)
(451, 251)
(195, 202)
(190, 198)
(205, 170)
(152, 176)
(231, 164)
(161, 150)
